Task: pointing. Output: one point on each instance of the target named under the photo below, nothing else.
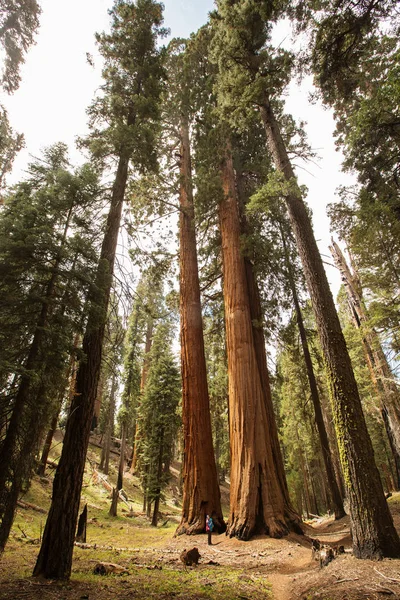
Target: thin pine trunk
(105, 453)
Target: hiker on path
(209, 528)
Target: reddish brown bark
(201, 494)
(372, 526)
(258, 500)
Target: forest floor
(228, 570)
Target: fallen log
(28, 505)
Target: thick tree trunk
(381, 374)
(55, 556)
(258, 498)
(257, 319)
(372, 526)
(201, 494)
(335, 496)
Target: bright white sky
(58, 84)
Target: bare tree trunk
(55, 556)
(372, 526)
(258, 498)
(201, 494)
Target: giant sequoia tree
(201, 495)
(128, 108)
(251, 75)
(259, 498)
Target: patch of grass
(203, 582)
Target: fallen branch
(386, 577)
(27, 505)
(349, 579)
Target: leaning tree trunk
(258, 500)
(335, 495)
(55, 556)
(201, 494)
(372, 526)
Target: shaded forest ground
(229, 569)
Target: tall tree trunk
(372, 526)
(258, 498)
(335, 496)
(257, 318)
(381, 374)
(201, 494)
(29, 416)
(55, 556)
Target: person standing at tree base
(209, 528)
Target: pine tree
(19, 21)
(42, 294)
(129, 108)
(159, 418)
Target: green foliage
(158, 413)
(48, 232)
(248, 65)
(10, 144)
(368, 393)
(124, 117)
(299, 437)
(19, 21)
